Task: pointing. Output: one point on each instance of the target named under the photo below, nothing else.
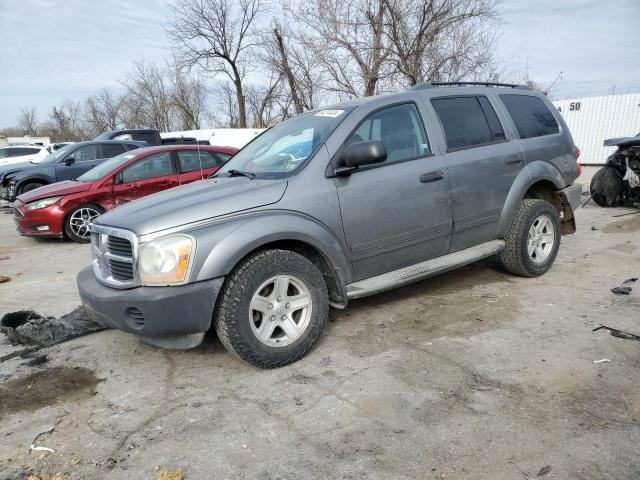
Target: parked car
(22, 153)
(618, 182)
(69, 208)
(389, 190)
(59, 145)
(66, 163)
(149, 135)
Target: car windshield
(283, 149)
(106, 167)
(56, 155)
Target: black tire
(231, 317)
(607, 187)
(27, 187)
(69, 231)
(515, 256)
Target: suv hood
(622, 142)
(197, 201)
(14, 167)
(61, 188)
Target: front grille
(115, 256)
(119, 246)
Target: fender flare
(529, 175)
(219, 254)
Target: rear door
(398, 212)
(195, 165)
(483, 162)
(146, 176)
(84, 158)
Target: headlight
(44, 203)
(165, 261)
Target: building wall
(594, 119)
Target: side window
(190, 161)
(158, 165)
(222, 157)
(85, 154)
(110, 150)
(497, 133)
(531, 115)
(399, 128)
(464, 122)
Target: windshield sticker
(329, 113)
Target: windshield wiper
(240, 173)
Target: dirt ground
(473, 374)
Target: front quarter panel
(221, 246)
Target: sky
(51, 50)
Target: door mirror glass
(117, 179)
(69, 161)
(359, 154)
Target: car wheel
(607, 187)
(30, 186)
(272, 308)
(77, 225)
(533, 239)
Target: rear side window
(191, 160)
(530, 115)
(465, 123)
(399, 128)
(110, 150)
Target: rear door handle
(432, 176)
(513, 159)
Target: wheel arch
(284, 230)
(537, 180)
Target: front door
(483, 163)
(146, 176)
(398, 212)
(82, 160)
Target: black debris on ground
(36, 360)
(544, 471)
(593, 228)
(630, 280)
(618, 333)
(622, 290)
(26, 327)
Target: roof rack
(425, 85)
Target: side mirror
(359, 154)
(69, 161)
(117, 179)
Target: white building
(592, 120)
(26, 140)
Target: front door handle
(513, 159)
(432, 176)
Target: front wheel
(30, 186)
(77, 225)
(272, 308)
(533, 240)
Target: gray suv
(335, 204)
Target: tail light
(577, 154)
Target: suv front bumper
(171, 317)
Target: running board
(413, 273)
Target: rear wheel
(77, 225)
(272, 308)
(607, 187)
(533, 239)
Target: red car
(69, 208)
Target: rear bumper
(572, 195)
(174, 317)
(32, 223)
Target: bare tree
(218, 36)
(347, 38)
(440, 39)
(188, 96)
(103, 111)
(66, 121)
(266, 102)
(28, 120)
(148, 98)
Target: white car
(22, 153)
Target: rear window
(110, 150)
(465, 123)
(530, 115)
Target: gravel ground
(473, 374)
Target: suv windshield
(57, 155)
(283, 149)
(106, 167)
